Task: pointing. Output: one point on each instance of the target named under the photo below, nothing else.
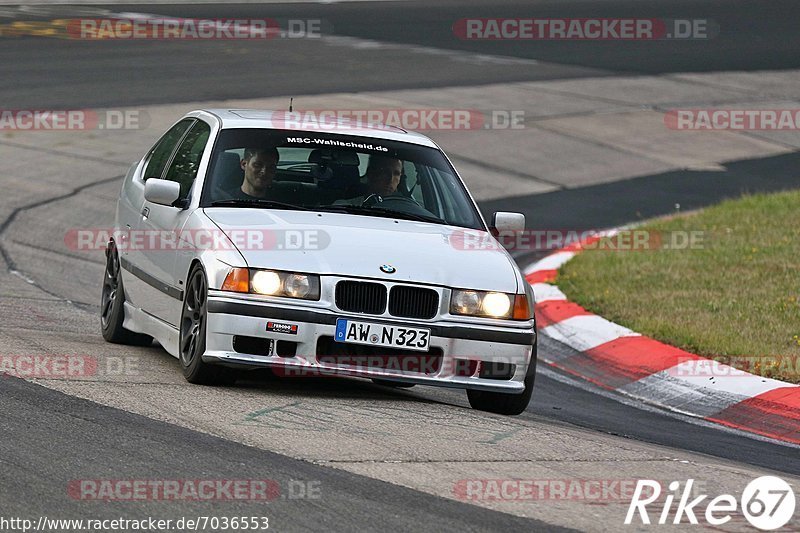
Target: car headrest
(402, 187)
(228, 171)
(327, 157)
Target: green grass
(737, 295)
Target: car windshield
(339, 173)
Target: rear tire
(192, 338)
(112, 309)
(503, 403)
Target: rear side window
(160, 154)
(183, 168)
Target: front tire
(192, 339)
(503, 403)
(112, 308)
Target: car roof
(260, 118)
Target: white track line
(544, 292)
(585, 332)
(620, 396)
(551, 262)
(719, 377)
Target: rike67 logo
(767, 503)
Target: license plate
(352, 331)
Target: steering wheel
(372, 199)
(376, 198)
(405, 204)
(401, 199)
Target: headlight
(266, 282)
(490, 304)
(496, 304)
(273, 283)
(297, 285)
(465, 303)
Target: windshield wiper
(380, 211)
(257, 202)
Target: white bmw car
(333, 250)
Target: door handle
(145, 212)
(123, 239)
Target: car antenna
(290, 104)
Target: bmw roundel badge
(388, 269)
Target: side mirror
(162, 192)
(505, 221)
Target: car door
(166, 223)
(135, 277)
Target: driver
(383, 176)
(259, 165)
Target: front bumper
(454, 344)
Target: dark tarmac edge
(49, 439)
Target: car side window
(429, 193)
(453, 205)
(412, 181)
(161, 152)
(183, 168)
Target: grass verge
(731, 293)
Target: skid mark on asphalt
(63, 153)
(6, 256)
(486, 434)
(95, 260)
(299, 416)
(250, 417)
(39, 203)
(503, 435)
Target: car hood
(354, 245)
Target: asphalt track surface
(56, 73)
(38, 464)
(57, 437)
